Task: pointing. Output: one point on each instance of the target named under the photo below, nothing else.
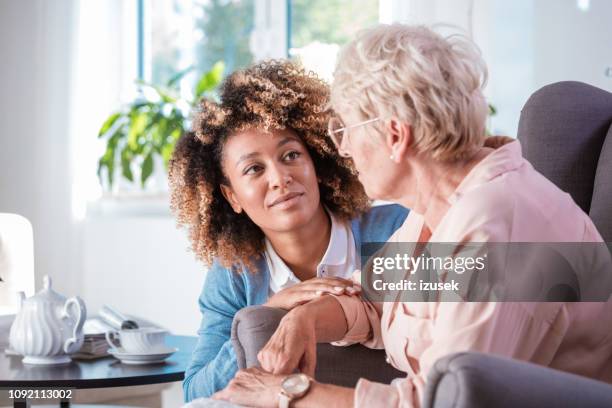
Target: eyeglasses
(337, 131)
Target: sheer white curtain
(38, 47)
(105, 74)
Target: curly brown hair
(267, 96)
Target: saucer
(157, 356)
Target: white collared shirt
(340, 259)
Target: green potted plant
(147, 129)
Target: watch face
(296, 384)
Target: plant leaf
(126, 161)
(108, 123)
(158, 132)
(147, 168)
(169, 146)
(164, 94)
(108, 159)
(178, 76)
(101, 165)
(138, 122)
(137, 105)
(149, 127)
(210, 79)
(111, 172)
(167, 154)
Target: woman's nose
(279, 177)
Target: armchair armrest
(481, 380)
(254, 325)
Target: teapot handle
(74, 343)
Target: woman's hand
(292, 346)
(294, 343)
(311, 289)
(256, 388)
(252, 387)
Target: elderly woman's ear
(399, 139)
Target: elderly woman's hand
(293, 346)
(252, 387)
(311, 289)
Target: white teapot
(48, 327)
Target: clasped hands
(292, 347)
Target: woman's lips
(288, 201)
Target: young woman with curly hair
(270, 205)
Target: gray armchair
(566, 133)
(477, 380)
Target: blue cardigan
(213, 363)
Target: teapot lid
(47, 294)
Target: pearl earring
(391, 157)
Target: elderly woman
(411, 114)
(269, 204)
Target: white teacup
(142, 340)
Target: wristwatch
(293, 387)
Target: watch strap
(284, 400)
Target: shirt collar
(279, 271)
(335, 254)
(338, 241)
(504, 159)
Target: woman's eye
(252, 169)
(292, 155)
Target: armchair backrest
(565, 132)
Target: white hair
(416, 76)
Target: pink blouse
(502, 199)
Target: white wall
(508, 49)
(140, 265)
(573, 43)
(527, 44)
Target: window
(526, 44)
(179, 34)
(318, 28)
(179, 40)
